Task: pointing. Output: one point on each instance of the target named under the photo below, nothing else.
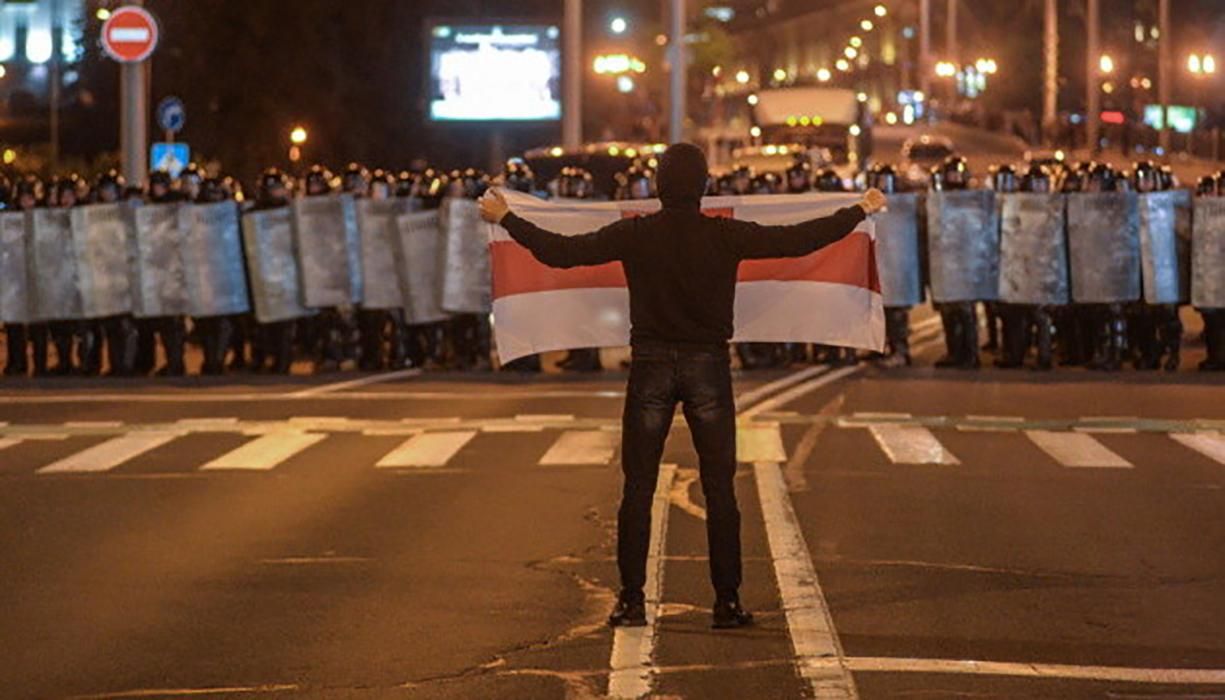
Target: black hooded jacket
(681, 265)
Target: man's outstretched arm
(754, 241)
(553, 249)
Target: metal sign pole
(133, 119)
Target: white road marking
(205, 424)
(680, 498)
(512, 428)
(1121, 674)
(759, 443)
(544, 418)
(427, 449)
(751, 397)
(911, 444)
(632, 662)
(184, 692)
(582, 447)
(6, 442)
(794, 393)
(354, 383)
(1211, 445)
(110, 454)
(818, 652)
(93, 424)
(265, 452)
(1076, 450)
(869, 415)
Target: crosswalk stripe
(759, 443)
(582, 447)
(1211, 445)
(427, 449)
(7, 442)
(265, 452)
(1077, 450)
(910, 444)
(110, 454)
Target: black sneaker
(628, 615)
(728, 614)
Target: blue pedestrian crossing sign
(171, 157)
(171, 114)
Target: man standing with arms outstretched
(681, 267)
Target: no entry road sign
(130, 35)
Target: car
(777, 158)
(920, 154)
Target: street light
(867, 25)
(742, 77)
(618, 25)
(824, 75)
(881, 10)
(1106, 64)
(298, 136)
(1201, 65)
(946, 69)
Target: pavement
(907, 533)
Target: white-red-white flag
(831, 297)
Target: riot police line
(379, 270)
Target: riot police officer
(325, 336)
(1014, 318)
(14, 333)
(28, 194)
(62, 194)
(897, 318)
(1214, 315)
(1156, 330)
(275, 339)
(216, 332)
(355, 180)
(959, 318)
(1107, 321)
(372, 323)
(120, 331)
(189, 182)
(799, 176)
(172, 330)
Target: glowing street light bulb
(618, 25)
(881, 11)
(856, 42)
(752, 100)
(298, 136)
(1209, 64)
(103, 14)
(850, 52)
(1106, 63)
(755, 132)
(843, 65)
(780, 75)
(742, 77)
(866, 25)
(824, 75)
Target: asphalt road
(913, 533)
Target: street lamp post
(297, 139)
(1201, 68)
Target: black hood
(682, 176)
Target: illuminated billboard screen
(495, 73)
(1182, 118)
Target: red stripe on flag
(851, 261)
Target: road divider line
(911, 444)
(1076, 450)
(187, 692)
(582, 447)
(7, 442)
(110, 454)
(265, 452)
(354, 383)
(751, 397)
(818, 652)
(632, 662)
(794, 393)
(248, 397)
(1211, 445)
(427, 450)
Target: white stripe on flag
(130, 35)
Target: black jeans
(662, 375)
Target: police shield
(1163, 220)
(1208, 254)
(159, 279)
(1033, 249)
(1104, 247)
(963, 245)
(100, 237)
(897, 251)
(53, 268)
(376, 222)
(268, 240)
(325, 254)
(466, 281)
(353, 249)
(212, 254)
(14, 271)
(419, 247)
